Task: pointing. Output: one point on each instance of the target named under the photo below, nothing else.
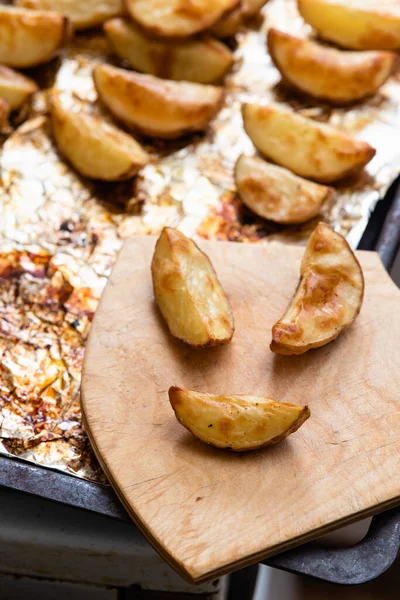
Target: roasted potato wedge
(328, 298)
(4, 111)
(338, 76)
(237, 422)
(179, 61)
(188, 293)
(276, 194)
(306, 147)
(229, 25)
(95, 148)
(252, 7)
(356, 24)
(81, 13)
(30, 37)
(156, 107)
(15, 88)
(178, 18)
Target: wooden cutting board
(209, 511)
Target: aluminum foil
(60, 233)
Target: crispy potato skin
(236, 422)
(156, 107)
(174, 19)
(328, 298)
(177, 61)
(95, 148)
(230, 24)
(188, 292)
(81, 13)
(29, 38)
(274, 193)
(338, 76)
(4, 111)
(355, 25)
(15, 88)
(306, 147)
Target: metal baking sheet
(60, 233)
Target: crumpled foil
(60, 233)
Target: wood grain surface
(209, 511)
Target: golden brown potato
(15, 88)
(202, 61)
(230, 24)
(306, 147)
(276, 194)
(188, 293)
(178, 18)
(81, 13)
(237, 422)
(252, 7)
(357, 24)
(4, 111)
(94, 147)
(30, 37)
(156, 107)
(338, 76)
(328, 298)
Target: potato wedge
(15, 88)
(95, 148)
(306, 147)
(178, 61)
(178, 18)
(237, 422)
(338, 76)
(156, 107)
(30, 37)
(4, 112)
(188, 293)
(356, 24)
(252, 7)
(274, 193)
(328, 298)
(230, 24)
(81, 13)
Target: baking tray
(348, 566)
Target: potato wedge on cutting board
(81, 13)
(15, 88)
(237, 422)
(157, 107)
(95, 148)
(276, 194)
(188, 292)
(30, 37)
(201, 61)
(306, 147)
(356, 24)
(178, 18)
(328, 298)
(338, 76)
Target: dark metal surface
(349, 566)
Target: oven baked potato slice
(230, 24)
(339, 76)
(178, 18)
(328, 298)
(157, 107)
(237, 422)
(274, 193)
(188, 292)
(308, 148)
(15, 88)
(4, 111)
(252, 7)
(201, 61)
(356, 24)
(81, 13)
(30, 37)
(95, 148)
